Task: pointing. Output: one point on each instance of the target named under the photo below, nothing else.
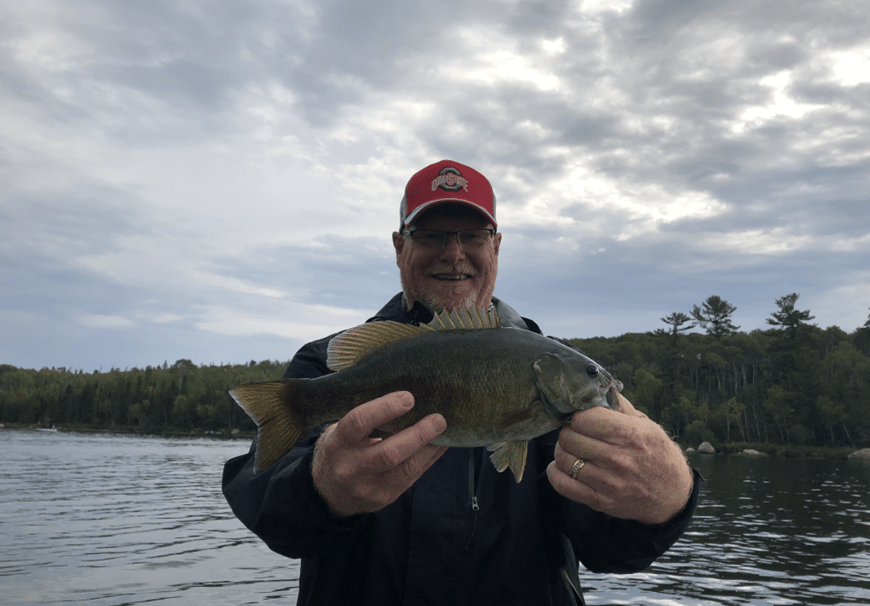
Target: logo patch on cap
(450, 179)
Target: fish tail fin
(279, 427)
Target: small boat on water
(52, 428)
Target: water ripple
(118, 520)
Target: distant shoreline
(125, 430)
(737, 448)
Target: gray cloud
(218, 181)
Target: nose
(452, 249)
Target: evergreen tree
(788, 318)
(678, 323)
(861, 338)
(714, 316)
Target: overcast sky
(218, 180)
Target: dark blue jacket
(463, 534)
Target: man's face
(449, 277)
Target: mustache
(447, 268)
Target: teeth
(456, 278)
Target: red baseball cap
(447, 181)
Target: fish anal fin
(348, 348)
(510, 455)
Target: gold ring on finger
(576, 467)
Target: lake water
(114, 520)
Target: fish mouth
(612, 394)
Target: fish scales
(496, 387)
(472, 378)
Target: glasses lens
(474, 237)
(468, 237)
(429, 237)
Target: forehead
(451, 216)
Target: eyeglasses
(435, 238)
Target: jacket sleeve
(281, 504)
(607, 544)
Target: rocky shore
(706, 448)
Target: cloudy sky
(218, 180)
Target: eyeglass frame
(446, 234)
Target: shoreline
(136, 431)
(742, 449)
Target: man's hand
(633, 469)
(358, 474)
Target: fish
(497, 386)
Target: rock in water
(861, 455)
(706, 448)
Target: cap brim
(428, 205)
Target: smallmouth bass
(496, 386)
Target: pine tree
(676, 321)
(715, 316)
(788, 318)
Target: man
(399, 520)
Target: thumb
(628, 408)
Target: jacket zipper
(475, 506)
(471, 486)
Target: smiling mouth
(451, 277)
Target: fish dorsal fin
(348, 348)
(466, 319)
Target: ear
(398, 244)
(497, 242)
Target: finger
(358, 424)
(604, 425)
(573, 488)
(565, 462)
(396, 450)
(590, 486)
(417, 464)
(580, 446)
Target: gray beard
(437, 306)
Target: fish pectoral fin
(510, 454)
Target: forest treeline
(177, 397)
(792, 384)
